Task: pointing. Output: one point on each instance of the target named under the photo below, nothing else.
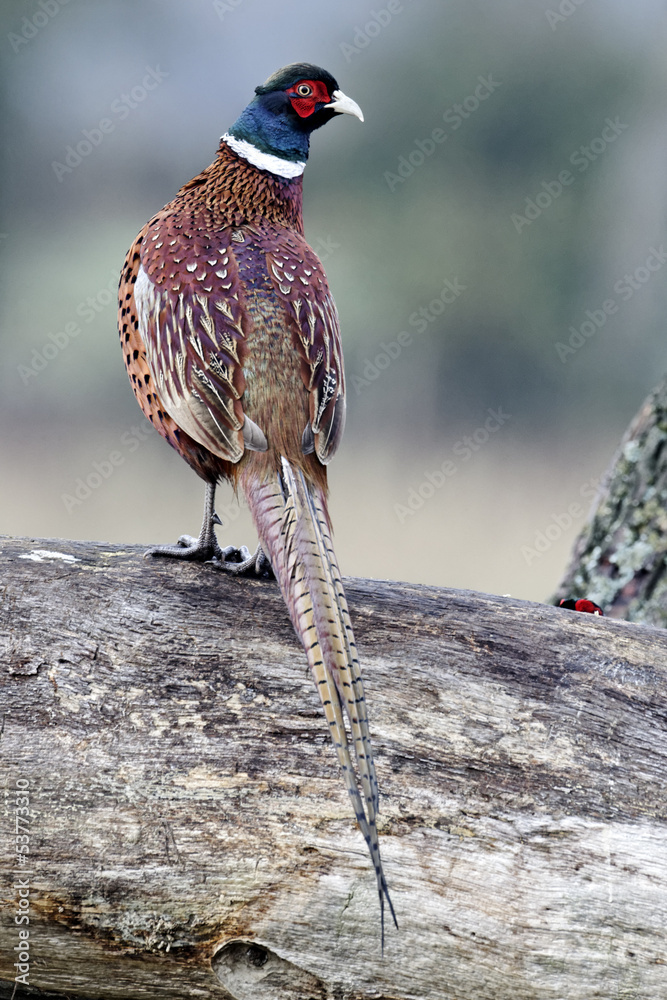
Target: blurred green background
(395, 212)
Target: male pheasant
(231, 341)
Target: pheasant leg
(205, 548)
(199, 549)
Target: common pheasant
(232, 345)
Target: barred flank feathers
(292, 523)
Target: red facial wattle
(306, 104)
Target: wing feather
(299, 280)
(194, 327)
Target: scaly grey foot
(201, 549)
(239, 562)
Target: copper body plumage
(231, 341)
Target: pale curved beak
(344, 105)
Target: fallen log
(189, 833)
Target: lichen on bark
(620, 558)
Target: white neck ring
(264, 161)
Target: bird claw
(188, 548)
(202, 549)
(239, 562)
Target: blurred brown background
(539, 198)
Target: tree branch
(620, 558)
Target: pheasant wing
(299, 280)
(192, 321)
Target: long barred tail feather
(293, 526)
(348, 680)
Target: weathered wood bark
(620, 558)
(190, 834)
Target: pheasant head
(292, 103)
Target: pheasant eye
(303, 90)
